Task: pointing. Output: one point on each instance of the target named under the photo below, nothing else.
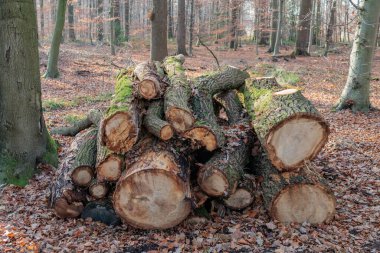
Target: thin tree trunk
(311, 32)
(355, 94)
(158, 40)
(170, 20)
(191, 27)
(181, 32)
(24, 139)
(330, 29)
(52, 67)
(273, 36)
(99, 21)
(112, 28)
(303, 28)
(233, 29)
(42, 21)
(126, 25)
(276, 49)
(70, 10)
(116, 22)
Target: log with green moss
(84, 164)
(65, 198)
(301, 196)
(288, 125)
(150, 85)
(176, 103)
(154, 123)
(120, 127)
(244, 194)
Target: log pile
(167, 145)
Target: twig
(203, 44)
(356, 6)
(117, 66)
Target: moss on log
(287, 124)
(176, 107)
(150, 85)
(120, 127)
(154, 123)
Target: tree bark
(276, 49)
(99, 21)
(191, 29)
(233, 26)
(154, 122)
(181, 28)
(158, 41)
(244, 194)
(71, 21)
(127, 21)
(170, 20)
(52, 67)
(303, 28)
(24, 139)
(150, 86)
(355, 94)
(275, 9)
(116, 22)
(289, 127)
(330, 29)
(231, 103)
(42, 19)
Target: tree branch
(203, 44)
(356, 6)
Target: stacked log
(162, 130)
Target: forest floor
(350, 162)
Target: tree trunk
(288, 126)
(127, 21)
(42, 21)
(152, 188)
(330, 29)
(233, 26)
(177, 111)
(191, 29)
(318, 21)
(24, 139)
(52, 67)
(158, 40)
(120, 128)
(276, 49)
(181, 28)
(296, 196)
(154, 123)
(355, 94)
(170, 20)
(230, 101)
(303, 28)
(116, 22)
(71, 21)
(312, 27)
(99, 21)
(150, 86)
(275, 16)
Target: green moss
(73, 118)
(123, 93)
(285, 77)
(56, 104)
(14, 172)
(176, 65)
(51, 154)
(262, 104)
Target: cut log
(98, 190)
(65, 199)
(243, 196)
(231, 103)
(83, 166)
(296, 196)
(154, 192)
(101, 211)
(177, 110)
(150, 85)
(120, 127)
(288, 125)
(154, 123)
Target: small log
(288, 125)
(231, 103)
(154, 192)
(243, 196)
(296, 196)
(65, 199)
(150, 85)
(102, 211)
(98, 190)
(83, 166)
(120, 128)
(177, 110)
(154, 123)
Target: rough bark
(151, 85)
(153, 187)
(303, 28)
(154, 123)
(70, 18)
(24, 139)
(120, 127)
(301, 196)
(181, 28)
(288, 125)
(158, 42)
(274, 24)
(177, 111)
(244, 194)
(82, 171)
(52, 66)
(355, 94)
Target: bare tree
(158, 41)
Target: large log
(296, 196)
(154, 192)
(176, 107)
(65, 198)
(120, 127)
(83, 166)
(150, 85)
(154, 123)
(288, 125)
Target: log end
(304, 203)
(82, 175)
(98, 190)
(213, 182)
(180, 119)
(166, 133)
(119, 132)
(110, 168)
(240, 199)
(147, 89)
(63, 209)
(295, 140)
(203, 136)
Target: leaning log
(154, 192)
(154, 123)
(176, 107)
(296, 196)
(120, 127)
(288, 125)
(150, 85)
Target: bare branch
(356, 6)
(203, 44)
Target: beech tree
(24, 139)
(158, 41)
(303, 28)
(355, 95)
(274, 25)
(181, 30)
(70, 19)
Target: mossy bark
(154, 123)
(150, 86)
(176, 107)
